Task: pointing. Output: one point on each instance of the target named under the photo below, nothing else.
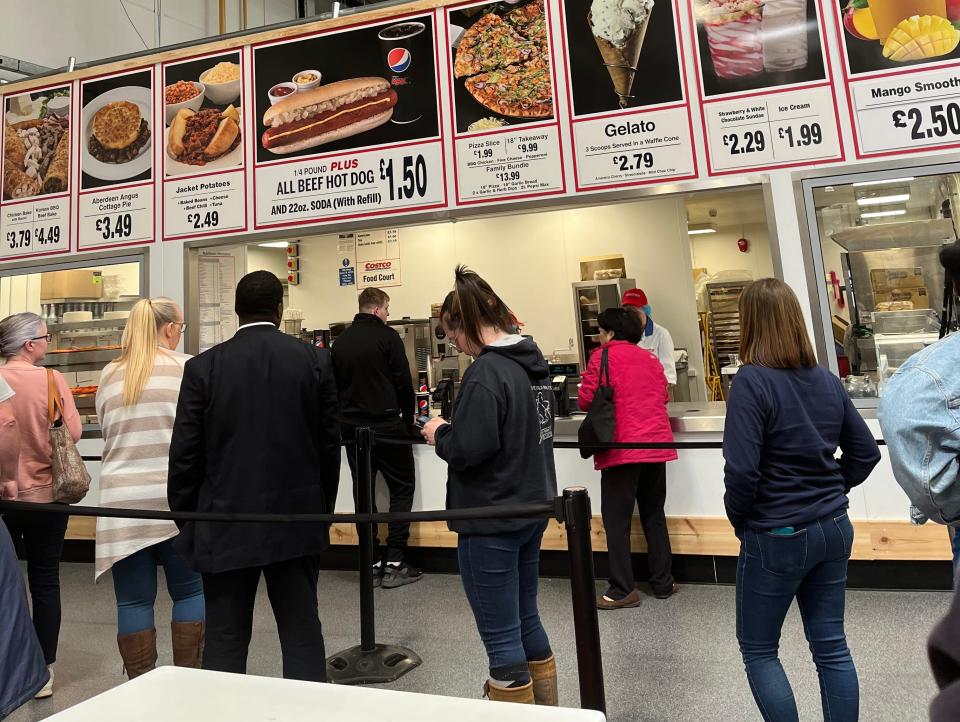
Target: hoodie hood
(523, 351)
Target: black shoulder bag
(599, 424)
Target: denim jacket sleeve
(920, 419)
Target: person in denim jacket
(920, 419)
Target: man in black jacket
(256, 431)
(376, 390)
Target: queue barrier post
(368, 663)
(577, 519)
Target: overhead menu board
(204, 177)
(766, 90)
(117, 135)
(503, 109)
(630, 114)
(348, 124)
(900, 66)
(37, 165)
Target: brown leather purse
(71, 480)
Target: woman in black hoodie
(499, 450)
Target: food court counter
(694, 504)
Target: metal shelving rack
(723, 307)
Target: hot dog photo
(202, 109)
(351, 89)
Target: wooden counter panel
(707, 536)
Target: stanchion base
(384, 663)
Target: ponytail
(139, 344)
(473, 305)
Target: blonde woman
(137, 404)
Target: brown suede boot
(544, 674)
(187, 638)
(519, 695)
(139, 652)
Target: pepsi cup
(406, 52)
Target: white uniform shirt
(660, 342)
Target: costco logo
(378, 265)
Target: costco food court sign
(380, 273)
(462, 103)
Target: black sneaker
(377, 575)
(399, 575)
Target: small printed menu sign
(630, 116)
(37, 167)
(348, 139)
(204, 181)
(767, 96)
(506, 134)
(899, 63)
(116, 199)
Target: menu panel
(765, 84)
(37, 166)
(630, 115)
(348, 123)
(116, 200)
(204, 178)
(899, 63)
(502, 85)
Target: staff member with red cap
(656, 338)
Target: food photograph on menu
(623, 54)
(36, 143)
(116, 133)
(359, 88)
(201, 112)
(747, 45)
(501, 65)
(893, 34)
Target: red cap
(634, 297)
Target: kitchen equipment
(723, 307)
(589, 299)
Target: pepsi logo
(398, 60)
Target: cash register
(565, 378)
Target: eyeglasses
(47, 337)
(183, 326)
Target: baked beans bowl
(178, 90)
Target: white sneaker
(47, 690)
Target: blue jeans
(811, 565)
(500, 574)
(135, 585)
(955, 545)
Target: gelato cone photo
(619, 28)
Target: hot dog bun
(324, 94)
(227, 132)
(344, 132)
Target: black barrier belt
(544, 510)
(599, 446)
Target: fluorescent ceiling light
(880, 200)
(883, 214)
(698, 229)
(274, 244)
(863, 184)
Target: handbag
(71, 480)
(600, 424)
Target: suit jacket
(256, 431)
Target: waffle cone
(622, 62)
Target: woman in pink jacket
(629, 476)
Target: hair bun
(950, 258)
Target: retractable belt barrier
(377, 663)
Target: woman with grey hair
(23, 345)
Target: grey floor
(667, 660)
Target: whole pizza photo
(502, 74)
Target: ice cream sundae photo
(619, 28)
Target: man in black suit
(256, 431)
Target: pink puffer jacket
(640, 403)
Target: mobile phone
(783, 531)
(421, 421)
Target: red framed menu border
(509, 129)
(685, 103)
(848, 78)
(74, 158)
(139, 184)
(244, 99)
(378, 148)
(829, 82)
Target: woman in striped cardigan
(136, 405)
